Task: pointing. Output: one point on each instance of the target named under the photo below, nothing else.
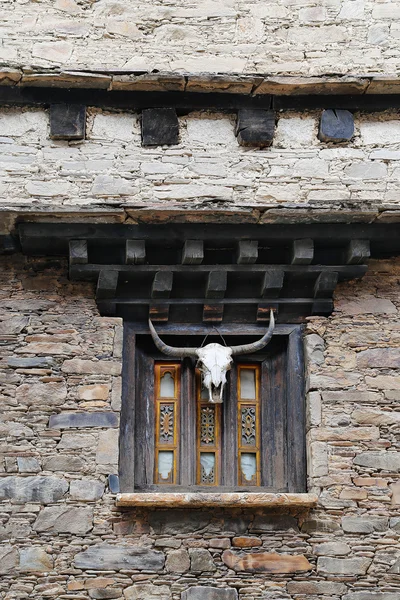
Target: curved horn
(249, 348)
(170, 350)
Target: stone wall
(208, 173)
(285, 36)
(61, 535)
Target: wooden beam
(107, 285)
(135, 252)
(357, 252)
(162, 284)
(322, 307)
(216, 284)
(67, 121)
(78, 252)
(193, 252)
(247, 252)
(213, 313)
(325, 284)
(272, 283)
(302, 252)
(90, 271)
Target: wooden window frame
(286, 468)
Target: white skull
(214, 361)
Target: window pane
(207, 464)
(248, 384)
(167, 386)
(165, 465)
(248, 465)
(207, 425)
(166, 424)
(248, 425)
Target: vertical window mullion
(229, 431)
(188, 425)
(208, 438)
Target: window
(173, 439)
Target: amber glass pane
(248, 467)
(167, 386)
(248, 384)
(165, 466)
(207, 466)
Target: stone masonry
(207, 176)
(61, 533)
(278, 37)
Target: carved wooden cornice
(213, 273)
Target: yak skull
(214, 360)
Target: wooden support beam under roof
(358, 252)
(78, 252)
(302, 252)
(162, 284)
(193, 252)
(107, 284)
(247, 252)
(135, 252)
(216, 284)
(272, 283)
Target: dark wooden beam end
(255, 127)
(160, 127)
(336, 126)
(67, 121)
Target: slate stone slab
(159, 127)
(105, 557)
(32, 489)
(82, 419)
(364, 524)
(8, 559)
(385, 461)
(255, 127)
(45, 362)
(113, 484)
(336, 126)
(64, 519)
(209, 593)
(67, 121)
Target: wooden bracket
(247, 252)
(135, 252)
(78, 252)
(193, 252)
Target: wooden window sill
(200, 499)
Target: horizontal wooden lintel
(229, 499)
(80, 271)
(267, 98)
